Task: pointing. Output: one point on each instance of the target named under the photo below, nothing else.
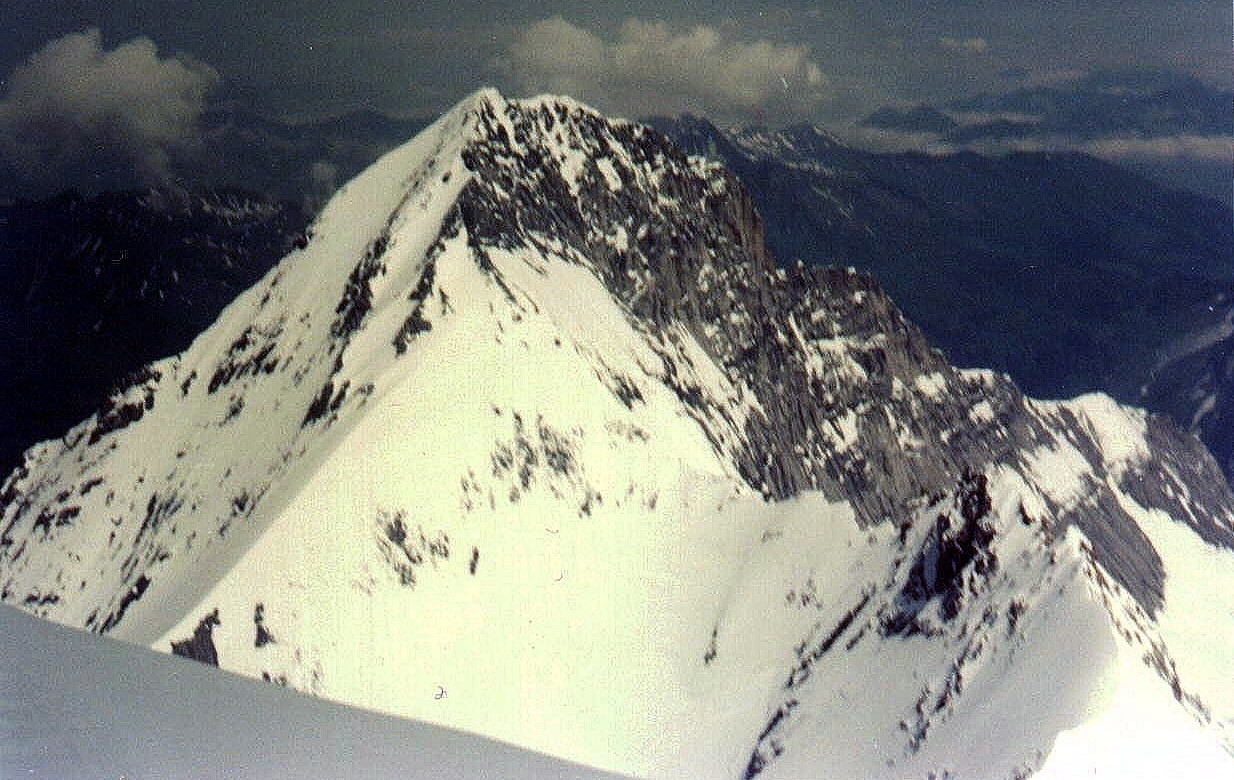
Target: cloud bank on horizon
(77, 111)
(650, 67)
(1169, 124)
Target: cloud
(1195, 147)
(1059, 77)
(964, 45)
(650, 67)
(1199, 148)
(77, 114)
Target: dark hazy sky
(838, 58)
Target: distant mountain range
(303, 161)
(1194, 384)
(1103, 104)
(1170, 126)
(92, 288)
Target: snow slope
(531, 439)
(76, 707)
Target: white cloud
(964, 45)
(1054, 78)
(1195, 147)
(881, 139)
(1200, 148)
(76, 111)
(556, 56)
(651, 67)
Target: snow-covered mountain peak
(530, 425)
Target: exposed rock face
(200, 646)
(1069, 273)
(851, 398)
(950, 549)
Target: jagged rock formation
(531, 425)
(200, 646)
(1066, 272)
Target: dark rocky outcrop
(200, 646)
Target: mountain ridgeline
(532, 424)
(1065, 272)
(1070, 274)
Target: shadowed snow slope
(532, 419)
(73, 707)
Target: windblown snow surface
(530, 440)
(76, 707)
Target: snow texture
(77, 707)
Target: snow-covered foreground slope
(76, 707)
(531, 439)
